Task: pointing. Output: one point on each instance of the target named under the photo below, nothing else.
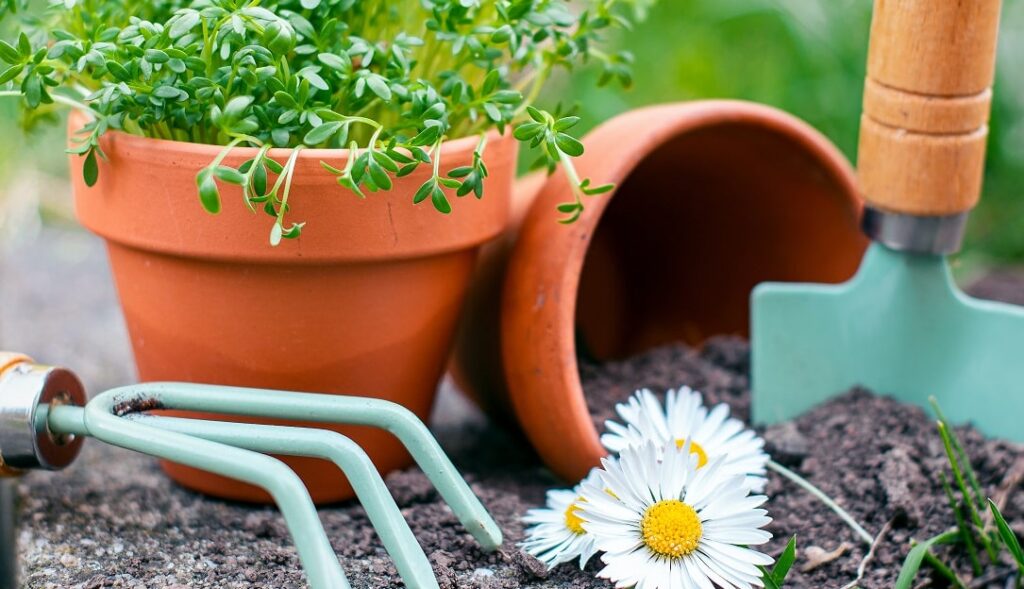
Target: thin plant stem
(821, 496)
(58, 98)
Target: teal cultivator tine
(899, 327)
(320, 408)
(315, 552)
(114, 417)
(398, 539)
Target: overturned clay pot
(711, 198)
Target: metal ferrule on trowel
(900, 326)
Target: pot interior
(700, 221)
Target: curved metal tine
(409, 558)
(102, 421)
(315, 407)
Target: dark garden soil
(878, 458)
(114, 520)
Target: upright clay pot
(711, 198)
(365, 302)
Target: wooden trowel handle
(926, 104)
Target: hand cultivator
(44, 419)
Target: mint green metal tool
(900, 326)
(37, 412)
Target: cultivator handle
(927, 98)
(27, 390)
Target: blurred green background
(808, 57)
(804, 56)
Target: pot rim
(212, 150)
(145, 199)
(542, 316)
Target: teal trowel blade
(899, 327)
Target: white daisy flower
(685, 419)
(557, 533)
(663, 522)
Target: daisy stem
(821, 496)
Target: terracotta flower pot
(364, 303)
(712, 198)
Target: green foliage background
(808, 57)
(804, 56)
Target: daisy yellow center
(695, 448)
(671, 528)
(573, 521)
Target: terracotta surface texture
(364, 303)
(712, 198)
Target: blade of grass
(961, 525)
(972, 477)
(944, 570)
(1009, 538)
(958, 475)
(775, 578)
(918, 554)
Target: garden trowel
(900, 326)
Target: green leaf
(1009, 537)
(427, 136)
(33, 89)
(379, 176)
(528, 131)
(209, 195)
(259, 180)
(536, 115)
(916, 556)
(167, 92)
(24, 46)
(184, 22)
(10, 73)
(348, 183)
(8, 53)
(407, 169)
(385, 161)
(507, 97)
(585, 187)
(423, 192)
(776, 578)
(566, 123)
(493, 112)
(237, 106)
(90, 169)
(322, 133)
(294, 231)
(315, 80)
(229, 175)
(285, 99)
(569, 145)
(333, 61)
(276, 233)
(440, 201)
(119, 71)
(156, 56)
(379, 86)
